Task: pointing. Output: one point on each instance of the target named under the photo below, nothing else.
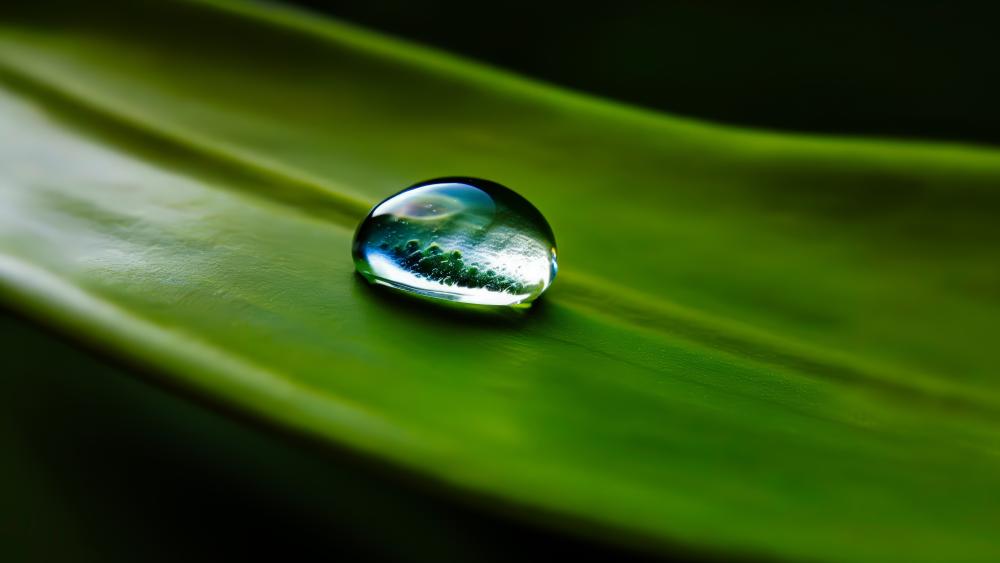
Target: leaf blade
(212, 283)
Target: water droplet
(458, 239)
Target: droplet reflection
(458, 239)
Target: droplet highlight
(458, 239)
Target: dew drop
(458, 239)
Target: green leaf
(765, 344)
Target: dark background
(902, 69)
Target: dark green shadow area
(917, 69)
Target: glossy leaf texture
(758, 344)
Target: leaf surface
(781, 346)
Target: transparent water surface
(458, 239)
